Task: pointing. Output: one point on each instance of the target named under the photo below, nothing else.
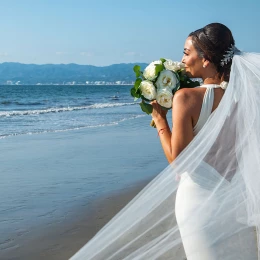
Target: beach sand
(68, 237)
(59, 189)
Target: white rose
(173, 65)
(164, 97)
(167, 79)
(148, 89)
(149, 71)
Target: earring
(204, 66)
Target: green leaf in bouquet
(177, 87)
(188, 83)
(181, 78)
(162, 60)
(137, 70)
(132, 91)
(136, 93)
(147, 108)
(158, 68)
(137, 83)
(193, 84)
(177, 76)
(178, 84)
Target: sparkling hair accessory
(224, 85)
(229, 55)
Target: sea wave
(61, 109)
(72, 128)
(8, 102)
(29, 103)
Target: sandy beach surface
(59, 189)
(66, 238)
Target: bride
(213, 179)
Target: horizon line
(72, 63)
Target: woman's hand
(158, 113)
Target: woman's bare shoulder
(190, 97)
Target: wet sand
(58, 190)
(67, 238)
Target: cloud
(133, 54)
(87, 54)
(4, 54)
(62, 53)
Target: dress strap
(206, 107)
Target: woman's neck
(212, 81)
(210, 76)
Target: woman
(203, 52)
(214, 170)
(203, 55)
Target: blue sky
(104, 32)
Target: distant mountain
(11, 73)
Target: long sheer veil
(224, 160)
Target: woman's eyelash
(185, 53)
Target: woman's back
(206, 99)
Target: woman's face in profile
(193, 63)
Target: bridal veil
(223, 160)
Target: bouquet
(159, 81)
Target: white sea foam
(63, 109)
(72, 128)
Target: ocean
(63, 147)
(41, 109)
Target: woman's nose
(183, 59)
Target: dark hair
(211, 43)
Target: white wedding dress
(191, 194)
(213, 185)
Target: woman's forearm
(164, 133)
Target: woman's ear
(205, 63)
